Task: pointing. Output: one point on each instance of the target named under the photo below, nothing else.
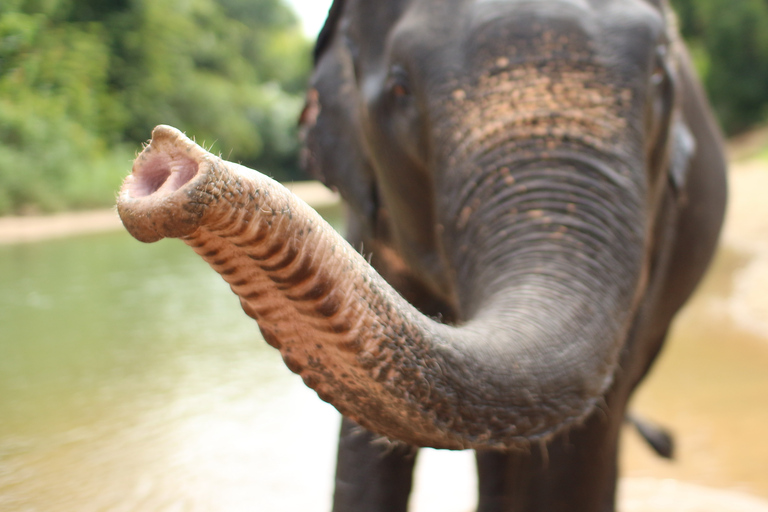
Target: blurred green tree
(729, 42)
(82, 82)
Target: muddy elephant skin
(538, 187)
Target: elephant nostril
(162, 172)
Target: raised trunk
(504, 378)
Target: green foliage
(729, 41)
(83, 82)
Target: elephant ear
(329, 27)
(683, 146)
(674, 145)
(682, 142)
(682, 135)
(333, 150)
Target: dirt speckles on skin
(459, 95)
(567, 100)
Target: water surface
(131, 380)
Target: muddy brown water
(130, 380)
(710, 387)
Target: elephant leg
(574, 472)
(372, 475)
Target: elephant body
(546, 171)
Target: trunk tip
(167, 163)
(166, 132)
(149, 200)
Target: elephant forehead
(621, 34)
(575, 101)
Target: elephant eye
(657, 77)
(397, 83)
(399, 90)
(659, 73)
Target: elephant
(484, 145)
(537, 187)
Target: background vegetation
(729, 42)
(82, 83)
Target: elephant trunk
(341, 326)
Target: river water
(130, 380)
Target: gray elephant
(547, 175)
(539, 185)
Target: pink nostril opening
(162, 173)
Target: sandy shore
(746, 231)
(36, 228)
(655, 495)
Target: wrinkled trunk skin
(315, 298)
(339, 325)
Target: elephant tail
(658, 437)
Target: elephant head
(515, 158)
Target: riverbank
(746, 232)
(36, 228)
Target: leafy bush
(730, 46)
(82, 81)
